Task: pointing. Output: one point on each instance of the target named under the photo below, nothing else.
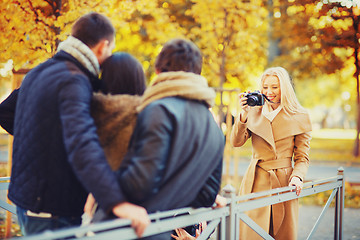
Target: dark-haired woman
(114, 110)
(123, 74)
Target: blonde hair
(289, 101)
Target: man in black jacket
(175, 154)
(57, 157)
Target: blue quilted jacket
(57, 158)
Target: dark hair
(123, 74)
(93, 27)
(179, 55)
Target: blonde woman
(280, 134)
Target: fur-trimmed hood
(115, 118)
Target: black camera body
(255, 99)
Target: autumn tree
(299, 31)
(32, 29)
(142, 28)
(304, 50)
(29, 31)
(318, 38)
(233, 38)
(344, 32)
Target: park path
(309, 214)
(325, 231)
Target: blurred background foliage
(316, 40)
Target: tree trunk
(356, 145)
(357, 71)
(223, 75)
(273, 48)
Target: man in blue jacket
(175, 154)
(57, 157)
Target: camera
(255, 99)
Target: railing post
(8, 221)
(229, 192)
(339, 207)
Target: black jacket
(174, 158)
(57, 157)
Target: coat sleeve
(301, 155)
(239, 133)
(143, 169)
(85, 154)
(7, 112)
(206, 196)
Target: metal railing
(223, 223)
(4, 185)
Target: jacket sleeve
(143, 169)
(301, 155)
(207, 195)
(85, 154)
(7, 112)
(239, 133)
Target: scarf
(269, 113)
(181, 84)
(82, 53)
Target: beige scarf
(182, 84)
(269, 113)
(82, 53)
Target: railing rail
(4, 185)
(224, 221)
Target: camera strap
(269, 99)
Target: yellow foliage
(232, 35)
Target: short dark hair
(123, 74)
(93, 27)
(179, 55)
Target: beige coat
(275, 144)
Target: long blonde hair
(289, 101)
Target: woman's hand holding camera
(244, 106)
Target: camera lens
(252, 101)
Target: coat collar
(260, 125)
(94, 80)
(285, 125)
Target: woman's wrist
(296, 177)
(243, 116)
